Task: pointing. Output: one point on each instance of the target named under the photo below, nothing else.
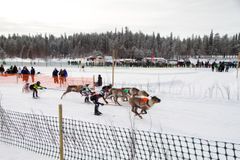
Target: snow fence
(85, 140)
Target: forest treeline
(126, 44)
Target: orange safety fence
(47, 81)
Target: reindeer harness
(144, 101)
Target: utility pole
(113, 66)
(238, 61)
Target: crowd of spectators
(23, 73)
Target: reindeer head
(156, 99)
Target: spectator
(11, 69)
(2, 69)
(14, 70)
(32, 73)
(99, 82)
(213, 65)
(55, 75)
(83, 67)
(61, 77)
(227, 67)
(65, 74)
(25, 74)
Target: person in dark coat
(65, 75)
(14, 70)
(213, 65)
(94, 98)
(55, 75)
(2, 70)
(32, 72)
(99, 82)
(25, 74)
(61, 77)
(227, 67)
(83, 68)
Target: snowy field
(195, 102)
(8, 152)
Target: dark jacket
(55, 73)
(14, 70)
(65, 74)
(99, 82)
(2, 69)
(25, 71)
(32, 71)
(61, 73)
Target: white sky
(182, 17)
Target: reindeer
(115, 93)
(79, 89)
(73, 88)
(125, 93)
(142, 103)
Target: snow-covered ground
(9, 152)
(195, 102)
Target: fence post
(60, 131)
(94, 82)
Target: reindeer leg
(81, 92)
(109, 96)
(136, 113)
(105, 100)
(116, 100)
(143, 111)
(112, 97)
(64, 93)
(133, 109)
(140, 116)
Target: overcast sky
(182, 17)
